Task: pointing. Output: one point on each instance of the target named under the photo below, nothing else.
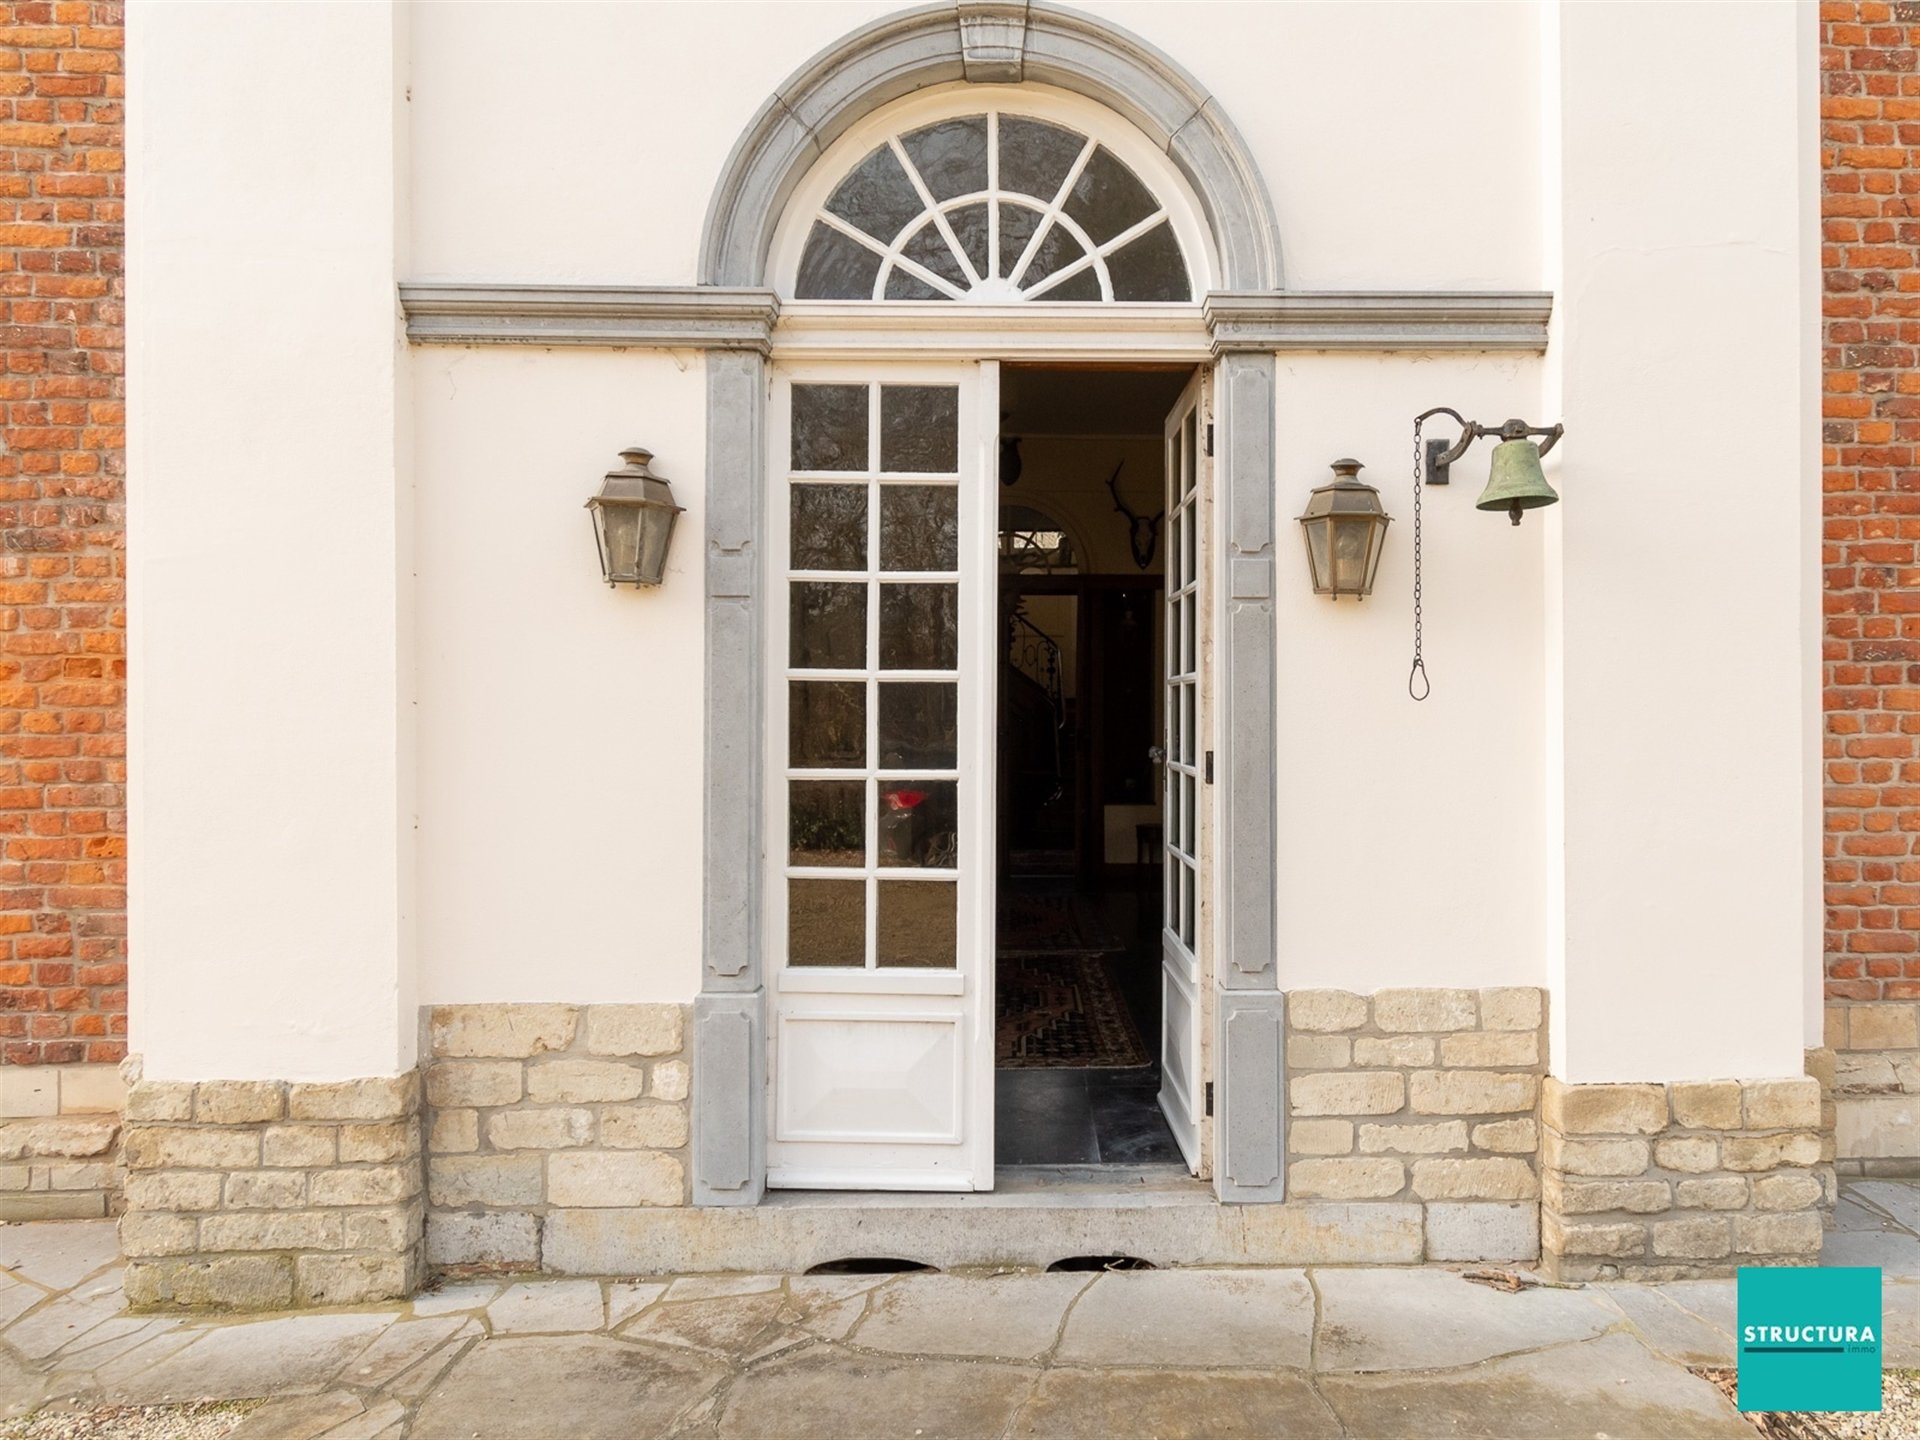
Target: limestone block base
(1427, 1097)
(1683, 1180)
(1876, 1085)
(60, 1142)
(538, 1112)
(261, 1194)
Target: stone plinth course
(1663, 1182)
(1427, 1098)
(540, 1112)
(1314, 1352)
(256, 1194)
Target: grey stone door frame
(993, 43)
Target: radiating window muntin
(873, 676)
(995, 206)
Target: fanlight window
(992, 207)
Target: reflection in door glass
(919, 527)
(919, 726)
(919, 627)
(826, 922)
(826, 724)
(917, 826)
(917, 923)
(824, 822)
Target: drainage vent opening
(1101, 1262)
(867, 1265)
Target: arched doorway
(916, 245)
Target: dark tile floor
(1080, 1117)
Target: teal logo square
(1809, 1339)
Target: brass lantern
(1346, 529)
(633, 519)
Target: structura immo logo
(1809, 1339)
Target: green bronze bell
(1515, 482)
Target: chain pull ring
(1418, 685)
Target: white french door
(880, 705)
(1184, 807)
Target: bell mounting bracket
(1441, 455)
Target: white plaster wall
(267, 514)
(1640, 838)
(1682, 569)
(560, 720)
(571, 142)
(1411, 836)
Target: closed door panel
(879, 890)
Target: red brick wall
(63, 991)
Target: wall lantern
(633, 519)
(1346, 529)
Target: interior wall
(1066, 476)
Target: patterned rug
(1063, 1011)
(1051, 921)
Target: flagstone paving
(1276, 1354)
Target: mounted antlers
(1143, 531)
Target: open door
(879, 920)
(1184, 803)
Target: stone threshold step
(1170, 1225)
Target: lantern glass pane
(1378, 548)
(917, 826)
(916, 924)
(1318, 560)
(826, 724)
(824, 822)
(826, 922)
(1350, 534)
(656, 531)
(827, 626)
(619, 527)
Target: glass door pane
(873, 649)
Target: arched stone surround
(995, 43)
(999, 44)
